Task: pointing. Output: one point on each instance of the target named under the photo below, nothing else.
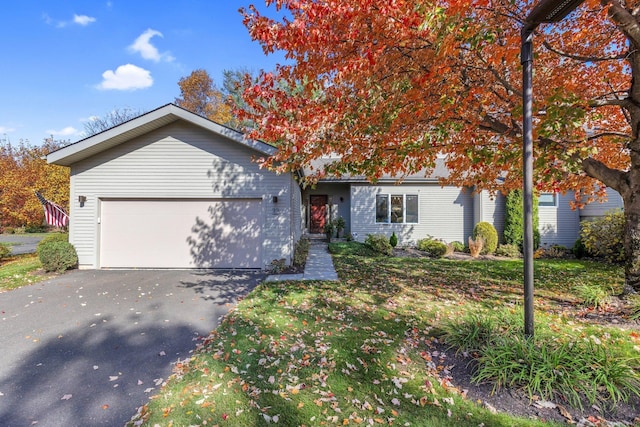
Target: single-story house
(419, 207)
(171, 189)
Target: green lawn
(19, 271)
(359, 351)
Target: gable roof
(439, 171)
(143, 124)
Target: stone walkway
(319, 266)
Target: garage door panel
(181, 234)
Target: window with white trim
(397, 208)
(548, 200)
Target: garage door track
(89, 347)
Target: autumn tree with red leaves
(391, 85)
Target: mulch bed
(459, 371)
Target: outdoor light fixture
(275, 199)
(82, 199)
(547, 11)
(552, 11)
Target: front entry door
(318, 213)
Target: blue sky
(66, 61)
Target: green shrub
(457, 246)
(339, 225)
(604, 237)
(328, 230)
(54, 237)
(393, 240)
(489, 234)
(579, 250)
(352, 249)
(300, 252)
(35, 228)
(433, 247)
(5, 250)
(57, 256)
(513, 220)
(379, 243)
(508, 250)
(556, 251)
(278, 266)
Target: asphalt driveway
(89, 347)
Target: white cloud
(83, 20)
(126, 77)
(143, 46)
(4, 129)
(68, 131)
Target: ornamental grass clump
(572, 369)
(475, 246)
(594, 296)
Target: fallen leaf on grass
(563, 411)
(545, 404)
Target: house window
(397, 208)
(382, 208)
(548, 199)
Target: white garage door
(180, 233)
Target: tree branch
(583, 58)
(624, 103)
(610, 177)
(607, 133)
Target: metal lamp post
(546, 11)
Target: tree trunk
(628, 185)
(632, 243)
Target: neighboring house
(419, 207)
(171, 189)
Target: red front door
(318, 213)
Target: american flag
(53, 213)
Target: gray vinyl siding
(297, 223)
(490, 209)
(559, 225)
(596, 209)
(178, 161)
(445, 213)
